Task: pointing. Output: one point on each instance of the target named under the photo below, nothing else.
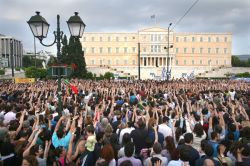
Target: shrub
(18, 69)
(2, 71)
(32, 72)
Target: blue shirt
(61, 142)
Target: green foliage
(236, 62)
(243, 75)
(108, 75)
(52, 61)
(89, 75)
(17, 68)
(29, 61)
(2, 71)
(72, 54)
(33, 72)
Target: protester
(180, 122)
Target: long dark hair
(170, 146)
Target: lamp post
(40, 27)
(168, 72)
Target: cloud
(131, 15)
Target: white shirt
(176, 163)
(123, 131)
(9, 117)
(232, 94)
(165, 130)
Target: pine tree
(65, 57)
(76, 56)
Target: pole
(168, 56)
(12, 58)
(59, 90)
(139, 62)
(35, 49)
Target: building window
(100, 49)
(217, 62)
(192, 62)
(133, 62)
(217, 39)
(152, 37)
(185, 50)
(155, 37)
(209, 62)
(201, 49)
(117, 39)
(125, 49)
(159, 37)
(176, 62)
(217, 50)
(177, 39)
(201, 39)
(144, 49)
(200, 62)
(93, 49)
(109, 39)
(177, 50)
(133, 49)
(159, 48)
(185, 39)
(193, 49)
(109, 62)
(100, 39)
(185, 62)
(209, 50)
(92, 39)
(225, 62)
(193, 39)
(209, 39)
(125, 39)
(93, 62)
(225, 50)
(109, 50)
(125, 62)
(117, 50)
(100, 62)
(155, 48)
(225, 39)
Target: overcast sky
(129, 16)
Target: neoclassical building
(188, 52)
(6, 44)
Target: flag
(152, 17)
(74, 66)
(74, 89)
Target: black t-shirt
(139, 136)
(194, 154)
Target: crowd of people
(125, 123)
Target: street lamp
(168, 71)
(40, 27)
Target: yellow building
(188, 52)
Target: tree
(236, 62)
(33, 72)
(75, 56)
(108, 75)
(29, 61)
(26, 61)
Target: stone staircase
(223, 72)
(115, 71)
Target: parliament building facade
(188, 52)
